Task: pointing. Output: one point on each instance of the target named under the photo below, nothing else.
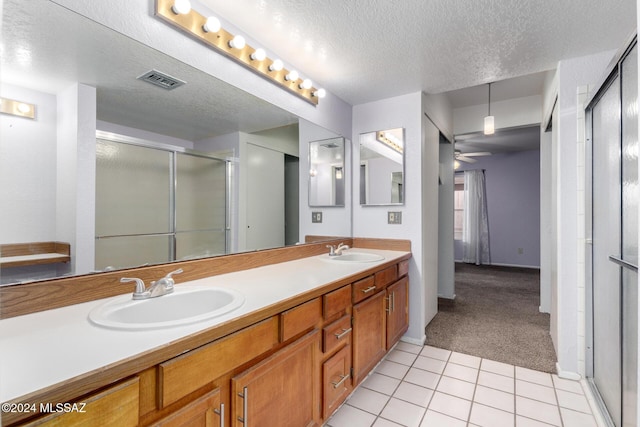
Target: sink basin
(182, 307)
(357, 257)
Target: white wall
(569, 317)
(509, 113)
(371, 221)
(76, 174)
(28, 169)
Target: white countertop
(42, 349)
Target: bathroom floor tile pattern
(430, 387)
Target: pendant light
(489, 127)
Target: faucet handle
(140, 288)
(178, 271)
(332, 249)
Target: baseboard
(447, 298)
(414, 341)
(568, 375)
(498, 264)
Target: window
(458, 205)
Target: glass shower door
(201, 192)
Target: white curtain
(475, 228)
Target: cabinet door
(397, 311)
(369, 335)
(282, 390)
(206, 411)
(336, 381)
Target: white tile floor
(427, 386)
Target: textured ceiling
(365, 50)
(204, 107)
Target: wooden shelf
(35, 253)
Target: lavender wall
(513, 204)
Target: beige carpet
(496, 316)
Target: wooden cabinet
(369, 338)
(116, 406)
(336, 381)
(207, 411)
(282, 390)
(397, 311)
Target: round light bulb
(24, 108)
(259, 54)
(292, 76)
(212, 25)
(237, 42)
(306, 84)
(320, 93)
(276, 66)
(181, 7)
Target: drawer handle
(245, 397)
(221, 413)
(343, 333)
(342, 380)
(369, 289)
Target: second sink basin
(357, 257)
(183, 306)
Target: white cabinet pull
(369, 289)
(342, 380)
(343, 333)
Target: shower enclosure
(157, 203)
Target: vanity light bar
(389, 140)
(235, 47)
(17, 108)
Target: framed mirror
(47, 177)
(382, 167)
(326, 173)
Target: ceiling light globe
(212, 25)
(306, 84)
(238, 42)
(181, 7)
(292, 76)
(277, 65)
(259, 54)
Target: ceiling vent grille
(162, 80)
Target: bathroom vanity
(310, 329)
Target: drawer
(336, 381)
(197, 368)
(336, 334)
(116, 406)
(386, 276)
(403, 268)
(336, 302)
(364, 288)
(300, 319)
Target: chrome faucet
(158, 288)
(336, 251)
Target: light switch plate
(316, 217)
(394, 217)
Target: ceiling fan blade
(477, 154)
(466, 159)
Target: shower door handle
(623, 263)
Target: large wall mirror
(326, 172)
(82, 78)
(382, 167)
